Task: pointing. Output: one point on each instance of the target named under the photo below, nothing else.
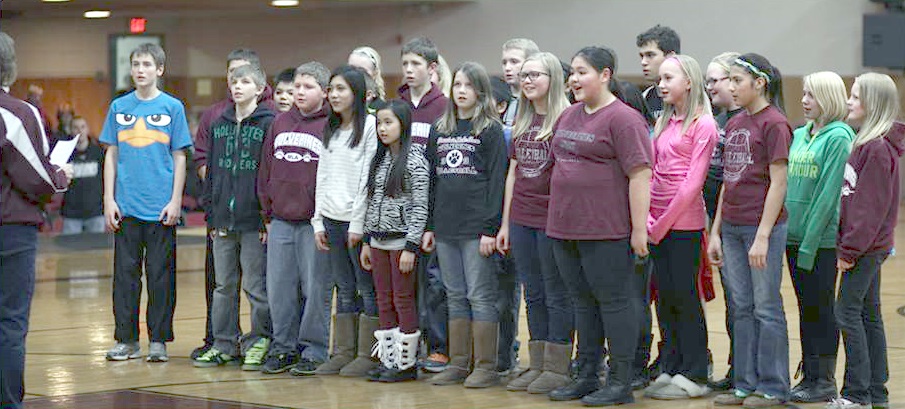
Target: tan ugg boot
(486, 337)
(343, 345)
(460, 354)
(535, 367)
(364, 362)
(556, 369)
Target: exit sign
(137, 25)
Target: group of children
(324, 185)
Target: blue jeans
(760, 339)
(470, 280)
(246, 247)
(859, 318)
(354, 287)
(79, 226)
(546, 298)
(298, 292)
(18, 249)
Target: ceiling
(131, 8)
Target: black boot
(807, 368)
(585, 383)
(618, 389)
(399, 375)
(823, 382)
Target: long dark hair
(763, 69)
(395, 182)
(356, 80)
(603, 58)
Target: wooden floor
(72, 327)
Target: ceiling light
(55, 1)
(284, 3)
(97, 14)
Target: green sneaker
(254, 356)
(213, 358)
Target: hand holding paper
(62, 151)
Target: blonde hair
(697, 104)
(725, 60)
(529, 47)
(485, 112)
(372, 55)
(829, 92)
(556, 99)
(880, 101)
(444, 75)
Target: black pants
(816, 293)
(431, 296)
(677, 259)
(858, 316)
(150, 246)
(599, 279)
(507, 306)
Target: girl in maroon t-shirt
(684, 138)
(542, 100)
(750, 226)
(599, 201)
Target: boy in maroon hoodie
(419, 62)
(299, 297)
(235, 59)
(27, 184)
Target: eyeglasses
(533, 75)
(713, 81)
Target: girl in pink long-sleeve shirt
(684, 140)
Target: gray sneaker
(124, 351)
(157, 352)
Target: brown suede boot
(459, 352)
(557, 358)
(364, 362)
(535, 367)
(486, 337)
(343, 345)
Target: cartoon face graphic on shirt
(143, 130)
(736, 155)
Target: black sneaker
(305, 367)
(200, 351)
(279, 363)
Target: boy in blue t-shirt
(146, 135)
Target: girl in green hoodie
(816, 165)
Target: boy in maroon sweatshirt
(27, 184)
(419, 61)
(299, 297)
(235, 59)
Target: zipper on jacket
(234, 176)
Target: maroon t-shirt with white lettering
(531, 193)
(753, 142)
(593, 154)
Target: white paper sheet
(62, 151)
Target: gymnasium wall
(70, 57)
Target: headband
(754, 70)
